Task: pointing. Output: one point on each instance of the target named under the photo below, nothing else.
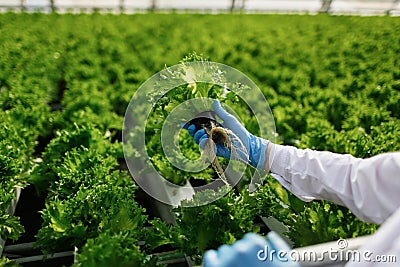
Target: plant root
(227, 138)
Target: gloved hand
(256, 147)
(251, 251)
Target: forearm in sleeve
(370, 188)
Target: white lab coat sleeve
(381, 248)
(370, 188)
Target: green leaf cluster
(87, 196)
(195, 230)
(114, 249)
(4, 262)
(161, 110)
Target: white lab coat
(370, 188)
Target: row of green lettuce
(333, 83)
(24, 116)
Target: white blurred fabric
(370, 188)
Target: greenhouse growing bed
(333, 83)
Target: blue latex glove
(256, 147)
(251, 251)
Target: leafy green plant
(101, 200)
(4, 262)
(114, 249)
(10, 226)
(86, 195)
(80, 138)
(13, 167)
(169, 101)
(195, 230)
